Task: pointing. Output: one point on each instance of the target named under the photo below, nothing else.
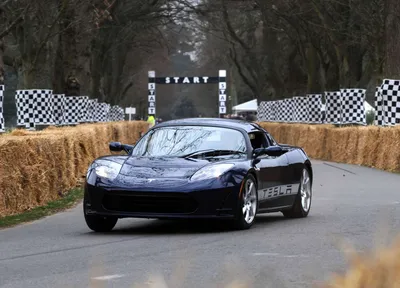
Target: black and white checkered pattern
(314, 108)
(288, 110)
(390, 91)
(1, 108)
(111, 114)
(378, 103)
(352, 106)
(265, 111)
(96, 111)
(71, 110)
(116, 113)
(300, 112)
(272, 110)
(333, 107)
(58, 109)
(279, 110)
(43, 107)
(29, 110)
(101, 112)
(83, 109)
(34, 107)
(20, 104)
(120, 115)
(90, 112)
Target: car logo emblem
(150, 180)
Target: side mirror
(270, 151)
(274, 151)
(116, 146)
(258, 151)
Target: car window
(182, 140)
(258, 140)
(271, 140)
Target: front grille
(139, 202)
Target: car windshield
(180, 141)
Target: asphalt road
(350, 203)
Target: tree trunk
(70, 55)
(313, 66)
(118, 64)
(29, 76)
(392, 39)
(2, 69)
(58, 79)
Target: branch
(17, 21)
(246, 80)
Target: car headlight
(108, 171)
(210, 172)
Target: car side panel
(292, 175)
(272, 188)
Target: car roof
(215, 122)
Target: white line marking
(108, 277)
(279, 255)
(266, 254)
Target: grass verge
(68, 201)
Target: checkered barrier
(116, 113)
(20, 103)
(71, 110)
(29, 110)
(287, 115)
(101, 112)
(314, 108)
(34, 107)
(272, 110)
(352, 106)
(2, 126)
(279, 110)
(91, 109)
(300, 112)
(333, 107)
(83, 107)
(43, 106)
(378, 103)
(265, 111)
(37, 107)
(390, 92)
(58, 109)
(121, 114)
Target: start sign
(153, 80)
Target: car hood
(168, 167)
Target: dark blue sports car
(199, 168)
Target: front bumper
(213, 203)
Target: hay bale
(380, 269)
(371, 146)
(37, 167)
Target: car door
(289, 175)
(271, 185)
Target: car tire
(302, 204)
(99, 223)
(248, 199)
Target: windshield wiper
(224, 152)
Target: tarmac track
(350, 203)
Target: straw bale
(371, 146)
(380, 269)
(40, 166)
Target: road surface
(350, 203)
